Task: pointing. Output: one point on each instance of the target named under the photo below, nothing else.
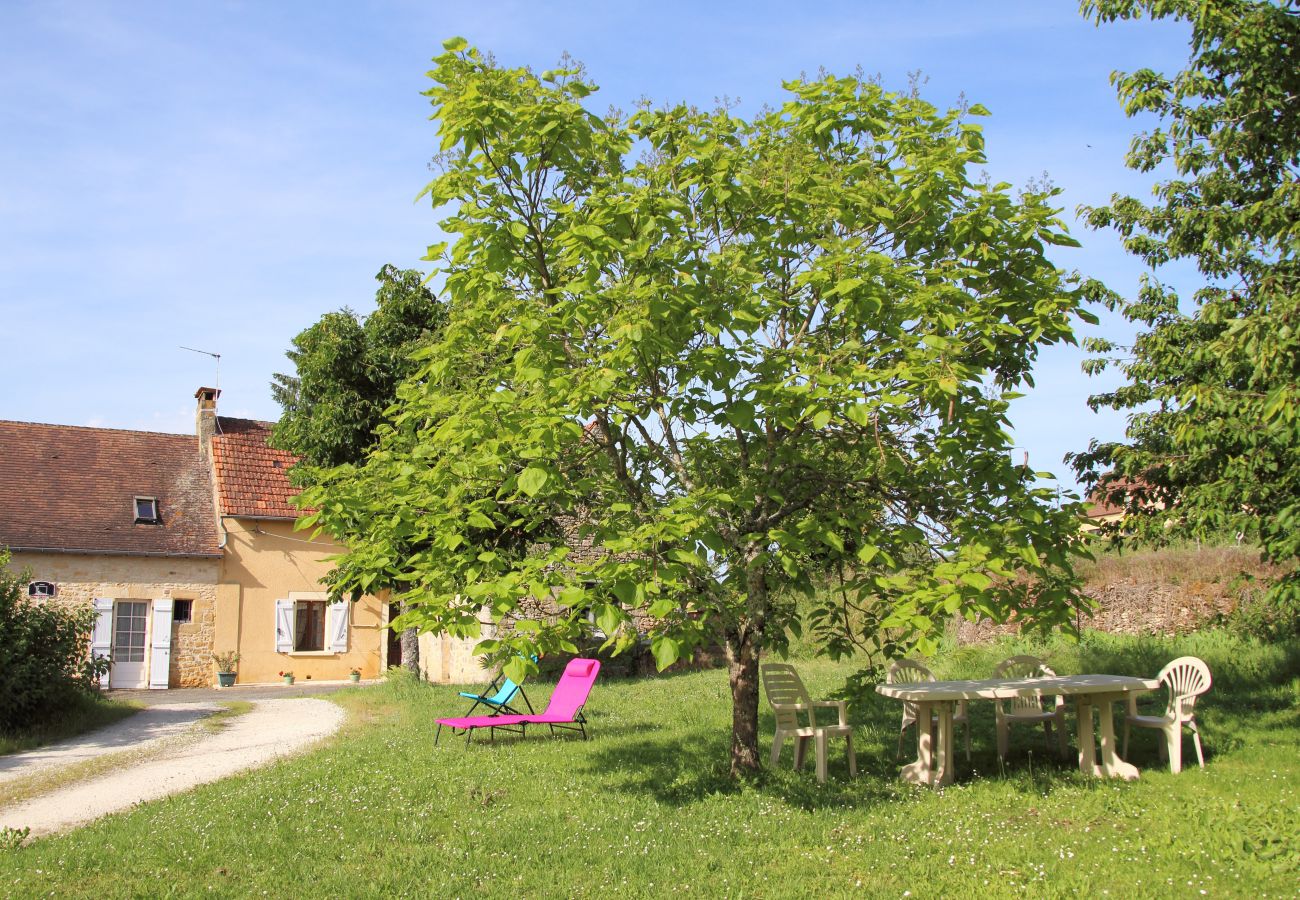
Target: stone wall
(81, 577)
(1157, 592)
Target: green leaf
(516, 669)
(821, 419)
(455, 45)
(532, 479)
(859, 414)
(608, 618)
(666, 652)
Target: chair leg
(1002, 738)
(1196, 739)
(1124, 752)
(1174, 739)
(968, 738)
(853, 758)
(899, 753)
(821, 757)
(778, 741)
(800, 750)
(437, 734)
(1062, 738)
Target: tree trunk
(410, 648)
(742, 670)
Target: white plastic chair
(909, 671)
(1028, 710)
(1186, 678)
(788, 696)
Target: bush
(43, 653)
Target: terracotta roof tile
(71, 489)
(252, 477)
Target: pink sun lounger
(564, 711)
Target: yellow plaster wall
(266, 560)
(450, 660)
(81, 577)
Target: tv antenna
(216, 356)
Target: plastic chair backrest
(573, 687)
(908, 671)
(1023, 667)
(785, 690)
(1187, 678)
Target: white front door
(130, 626)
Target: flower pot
(225, 679)
(288, 679)
(354, 677)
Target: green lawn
(645, 807)
(84, 714)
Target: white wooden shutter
(160, 657)
(338, 625)
(283, 626)
(101, 639)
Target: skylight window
(146, 511)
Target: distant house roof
(70, 489)
(252, 477)
(1111, 494)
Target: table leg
(946, 762)
(922, 770)
(1111, 764)
(1087, 744)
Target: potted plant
(225, 663)
(354, 676)
(287, 676)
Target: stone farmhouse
(184, 545)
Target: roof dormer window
(146, 511)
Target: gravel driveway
(165, 750)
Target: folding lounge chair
(497, 696)
(564, 711)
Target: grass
(85, 713)
(645, 808)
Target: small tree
(346, 373)
(1213, 442)
(44, 653)
(761, 350)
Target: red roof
(252, 477)
(1111, 494)
(72, 489)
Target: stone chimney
(205, 418)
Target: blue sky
(217, 175)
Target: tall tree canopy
(1213, 442)
(346, 371)
(726, 353)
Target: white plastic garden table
(934, 765)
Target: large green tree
(1212, 381)
(726, 353)
(347, 369)
(346, 373)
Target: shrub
(43, 653)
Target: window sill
(311, 653)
